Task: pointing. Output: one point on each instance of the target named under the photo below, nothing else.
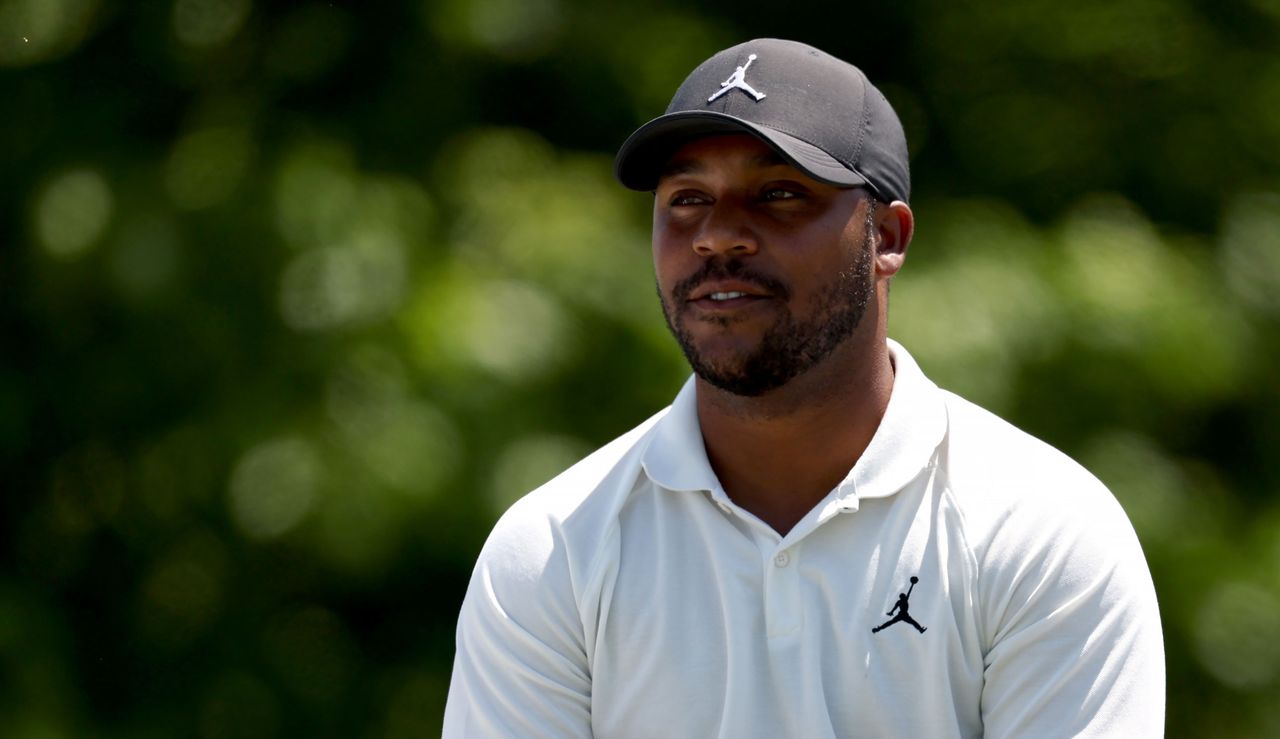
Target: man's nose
(725, 230)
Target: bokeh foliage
(298, 296)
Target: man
(724, 569)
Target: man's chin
(731, 364)
(741, 387)
(735, 381)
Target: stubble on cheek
(789, 346)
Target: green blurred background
(296, 297)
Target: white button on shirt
(965, 580)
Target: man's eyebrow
(769, 159)
(679, 167)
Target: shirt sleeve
(521, 668)
(1074, 644)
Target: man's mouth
(721, 300)
(718, 287)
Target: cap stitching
(866, 120)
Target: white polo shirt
(630, 597)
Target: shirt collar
(912, 427)
(676, 458)
(910, 432)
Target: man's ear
(896, 225)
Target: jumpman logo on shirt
(901, 608)
(738, 80)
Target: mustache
(725, 269)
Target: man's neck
(777, 455)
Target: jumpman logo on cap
(738, 80)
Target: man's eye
(686, 200)
(779, 193)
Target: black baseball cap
(820, 113)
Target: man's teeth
(727, 296)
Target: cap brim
(643, 155)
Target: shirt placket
(784, 612)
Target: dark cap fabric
(820, 113)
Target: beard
(792, 345)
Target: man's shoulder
(580, 501)
(1057, 566)
(1000, 474)
(984, 445)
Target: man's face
(763, 272)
